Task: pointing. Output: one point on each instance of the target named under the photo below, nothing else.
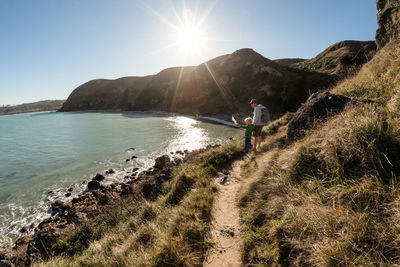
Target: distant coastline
(45, 105)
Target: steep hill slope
(340, 59)
(331, 198)
(224, 84)
(288, 61)
(221, 85)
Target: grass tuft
(172, 230)
(332, 199)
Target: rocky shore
(88, 207)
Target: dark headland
(222, 86)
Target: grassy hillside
(329, 199)
(170, 231)
(332, 198)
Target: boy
(247, 134)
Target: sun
(190, 34)
(190, 38)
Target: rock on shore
(85, 208)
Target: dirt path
(225, 225)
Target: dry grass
(170, 231)
(332, 198)
(378, 80)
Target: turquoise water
(52, 151)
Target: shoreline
(112, 175)
(67, 192)
(99, 198)
(25, 112)
(207, 119)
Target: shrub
(78, 241)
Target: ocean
(42, 155)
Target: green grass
(329, 199)
(332, 198)
(173, 230)
(274, 126)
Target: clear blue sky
(49, 47)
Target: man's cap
(253, 101)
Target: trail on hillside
(225, 224)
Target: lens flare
(190, 38)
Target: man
(260, 118)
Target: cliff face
(223, 85)
(388, 21)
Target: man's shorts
(257, 130)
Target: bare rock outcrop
(388, 21)
(317, 108)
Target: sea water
(44, 154)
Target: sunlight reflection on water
(82, 144)
(190, 136)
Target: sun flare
(190, 38)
